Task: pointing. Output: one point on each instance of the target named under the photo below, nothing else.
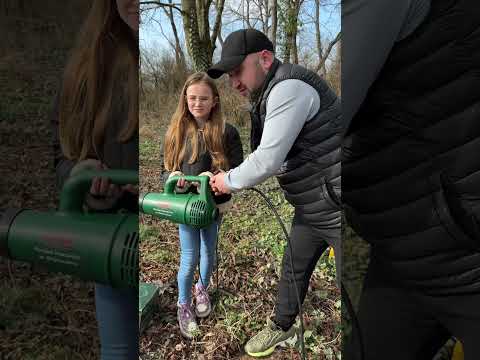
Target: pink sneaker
(203, 307)
(186, 321)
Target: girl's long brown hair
(106, 53)
(183, 130)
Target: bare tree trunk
(217, 27)
(297, 7)
(195, 16)
(287, 26)
(291, 30)
(323, 53)
(273, 28)
(199, 47)
(179, 55)
(203, 7)
(264, 15)
(247, 18)
(327, 52)
(318, 37)
(294, 48)
(220, 38)
(286, 51)
(334, 76)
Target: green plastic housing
(96, 247)
(197, 210)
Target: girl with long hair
(96, 127)
(199, 142)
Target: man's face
(249, 76)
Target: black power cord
(355, 322)
(300, 311)
(344, 293)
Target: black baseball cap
(235, 49)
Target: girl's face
(200, 101)
(129, 12)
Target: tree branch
(218, 22)
(328, 50)
(162, 4)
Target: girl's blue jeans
(117, 317)
(196, 246)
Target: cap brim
(225, 66)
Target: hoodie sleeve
(234, 148)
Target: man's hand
(217, 182)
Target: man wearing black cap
(296, 135)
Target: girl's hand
(205, 173)
(182, 186)
(181, 183)
(103, 194)
(131, 188)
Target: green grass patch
(149, 149)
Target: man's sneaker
(186, 321)
(203, 307)
(265, 342)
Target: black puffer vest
(310, 176)
(411, 165)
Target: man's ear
(266, 59)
